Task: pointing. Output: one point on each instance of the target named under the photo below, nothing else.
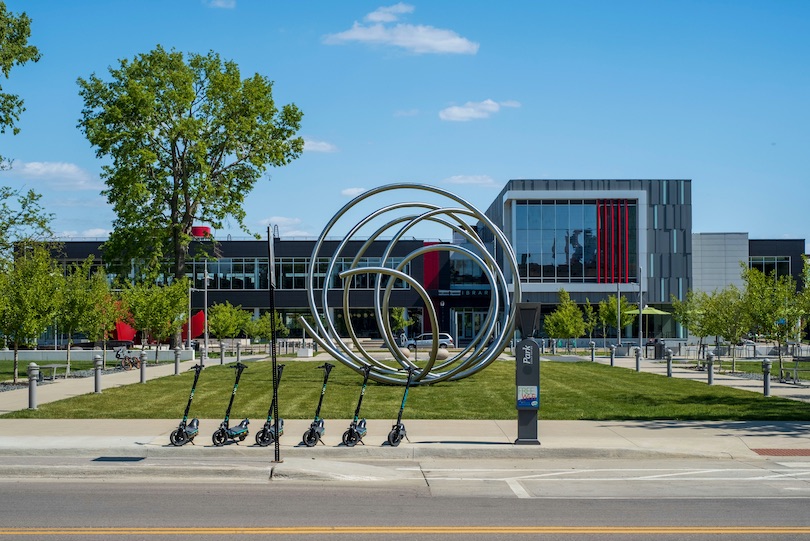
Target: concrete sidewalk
(488, 439)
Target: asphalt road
(435, 500)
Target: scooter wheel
(394, 437)
(220, 437)
(311, 438)
(265, 437)
(350, 438)
(177, 438)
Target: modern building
(601, 237)
(718, 259)
(595, 238)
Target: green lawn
(580, 390)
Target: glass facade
(569, 240)
(291, 273)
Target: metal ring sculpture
(407, 215)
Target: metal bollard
(238, 352)
(97, 364)
(143, 367)
(593, 350)
(668, 354)
(176, 361)
(638, 358)
(543, 346)
(33, 376)
(710, 367)
(553, 347)
(766, 377)
(612, 355)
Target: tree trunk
(16, 371)
(67, 354)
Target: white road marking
(517, 488)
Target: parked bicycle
(126, 360)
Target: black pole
(272, 277)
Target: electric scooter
(267, 434)
(185, 433)
(225, 432)
(317, 428)
(398, 430)
(357, 429)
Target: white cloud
(388, 14)
(311, 145)
(484, 181)
(352, 192)
(474, 110)
(87, 233)
(223, 4)
(287, 227)
(420, 39)
(58, 175)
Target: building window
(585, 240)
(780, 265)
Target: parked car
(425, 340)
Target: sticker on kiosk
(528, 397)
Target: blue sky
(460, 95)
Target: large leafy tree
(22, 220)
(14, 51)
(21, 216)
(29, 297)
(187, 139)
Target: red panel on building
(431, 262)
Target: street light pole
(204, 356)
(640, 308)
(188, 321)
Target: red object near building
(200, 231)
(197, 326)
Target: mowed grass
(569, 391)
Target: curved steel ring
(500, 318)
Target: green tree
(14, 51)
(731, 318)
(773, 305)
(226, 321)
(158, 311)
(262, 327)
(691, 313)
(109, 309)
(22, 221)
(804, 296)
(29, 297)
(609, 310)
(77, 304)
(187, 140)
(398, 320)
(566, 320)
(590, 318)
